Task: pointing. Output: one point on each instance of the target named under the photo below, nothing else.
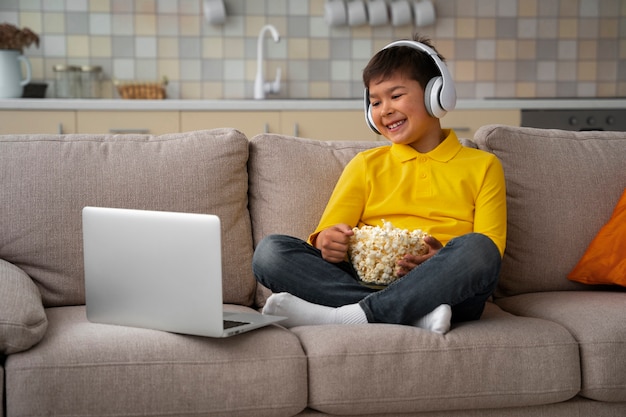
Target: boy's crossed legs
(301, 313)
(310, 290)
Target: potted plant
(16, 39)
(12, 43)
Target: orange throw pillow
(604, 261)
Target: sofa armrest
(23, 320)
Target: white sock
(302, 313)
(437, 321)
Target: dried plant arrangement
(17, 39)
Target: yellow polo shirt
(448, 192)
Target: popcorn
(375, 251)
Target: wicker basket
(141, 90)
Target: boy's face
(399, 112)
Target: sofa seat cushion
(500, 361)
(86, 369)
(2, 384)
(577, 406)
(596, 320)
(562, 187)
(23, 321)
(48, 179)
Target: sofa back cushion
(291, 180)
(48, 179)
(562, 187)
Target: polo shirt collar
(444, 152)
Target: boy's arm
(490, 209)
(347, 201)
(334, 242)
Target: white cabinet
(119, 122)
(466, 122)
(314, 124)
(327, 125)
(37, 121)
(249, 122)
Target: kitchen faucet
(260, 86)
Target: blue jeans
(463, 274)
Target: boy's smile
(399, 112)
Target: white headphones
(439, 94)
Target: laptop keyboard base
(229, 324)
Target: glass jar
(91, 76)
(67, 81)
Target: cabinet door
(143, 122)
(34, 121)
(466, 122)
(251, 123)
(327, 125)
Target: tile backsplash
(494, 48)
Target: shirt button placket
(423, 168)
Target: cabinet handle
(266, 128)
(296, 130)
(60, 128)
(122, 131)
(461, 129)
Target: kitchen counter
(292, 104)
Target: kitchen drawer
(466, 122)
(251, 123)
(142, 122)
(35, 121)
(327, 125)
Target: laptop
(159, 270)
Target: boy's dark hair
(412, 63)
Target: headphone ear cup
(368, 112)
(432, 95)
(370, 121)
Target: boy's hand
(408, 262)
(334, 242)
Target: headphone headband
(440, 93)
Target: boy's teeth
(394, 125)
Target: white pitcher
(11, 82)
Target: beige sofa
(545, 346)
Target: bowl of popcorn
(375, 251)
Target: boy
(425, 180)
